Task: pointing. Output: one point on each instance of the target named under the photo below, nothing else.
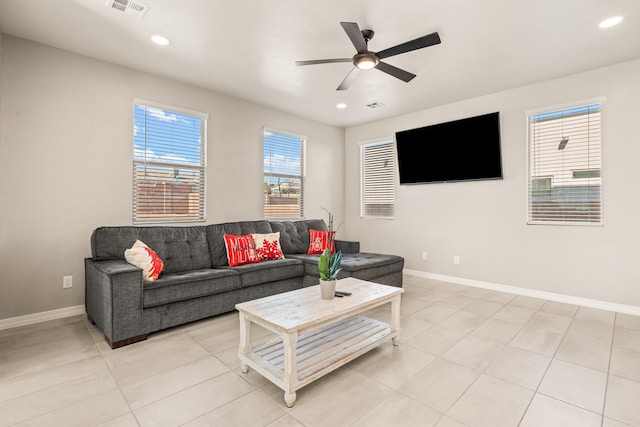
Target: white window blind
(565, 164)
(169, 149)
(283, 174)
(377, 190)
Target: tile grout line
(106, 363)
(504, 344)
(547, 369)
(444, 414)
(550, 361)
(606, 388)
(88, 375)
(485, 368)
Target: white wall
(485, 222)
(66, 154)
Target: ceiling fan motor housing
(367, 34)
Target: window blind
(565, 163)
(283, 174)
(377, 190)
(168, 164)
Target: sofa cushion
(269, 271)
(294, 235)
(215, 237)
(347, 246)
(172, 287)
(362, 265)
(180, 248)
(366, 266)
(142, 256)
(240, 250)
(268, 245)
(319, 241)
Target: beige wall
(485, 222)
(66, 154)
(65, 168)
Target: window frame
(379, 141)
(303, 171)
(202, 167)
(528, 176)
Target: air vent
(375, 104)
(130, 7)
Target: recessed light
(160, 40)
(341, 106)
(610, 22)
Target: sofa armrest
(347, 246)
(113, 299)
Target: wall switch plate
(456, 259)
(67, 282)
(424, 256)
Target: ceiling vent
(133, 8)
(375, 104)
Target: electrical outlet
(67, 282)
(424, 256)
(456, 259)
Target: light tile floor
(468, 357)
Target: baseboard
(30, 319)
(569, 299)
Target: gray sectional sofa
(197, 281)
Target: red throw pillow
(268, 246)
(240, 250)
(142, 256)
(319, 241)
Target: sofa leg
(127, 341)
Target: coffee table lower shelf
(318, 352)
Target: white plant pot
(327, 289)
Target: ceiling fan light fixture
(365, 61)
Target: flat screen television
(461, 150)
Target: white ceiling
(247, 48)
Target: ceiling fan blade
(419, 43)
(349, 79)
(396, 72)
(355, 35)
(324, 61)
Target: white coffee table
(315, 336)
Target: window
(541, 186)
(169, 147)
(589, 173)
(377, 191)
(564, 166)
(283, 174)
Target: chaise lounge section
(197, 281)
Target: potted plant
(329, 265)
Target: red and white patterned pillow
(240, 250)
(142, 256)
(268, 246)
(319, 241)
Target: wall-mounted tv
(461, 150)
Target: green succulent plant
(328, 263)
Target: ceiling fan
(366, 59)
